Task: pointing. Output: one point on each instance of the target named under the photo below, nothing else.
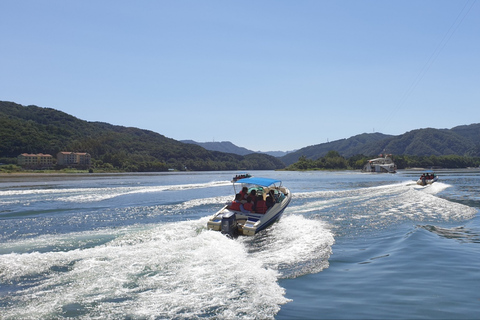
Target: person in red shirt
(244, 194)
(235, 205)
(260, 205)
(248, 206)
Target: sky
(265, 75)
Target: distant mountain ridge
(34, 129)
(346, 147)
(228, 147)
(461, 140)
(221, 146)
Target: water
(135, 246)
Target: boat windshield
(264, 182)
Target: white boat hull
(424, 182)
(380, 165)
(249, 224)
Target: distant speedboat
(381, 165)
(428, 177)
(241, 176)
(233, 221)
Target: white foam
(100, 194)
(435, 188)
(382, 205)
(182, 270)
(296, 246)
(173, 270)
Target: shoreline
(19, 175)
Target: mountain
(470, 132)
(426, 142)
(346, 147)
(223, 146)
(461, 140)
(228, 147)
(277, 154)
(34, 129)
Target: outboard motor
(229, 224)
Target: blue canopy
(264, 182)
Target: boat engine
(229, 224)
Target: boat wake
(158, 260)
(380, 206)
(294, 246)
(79, 195)
(170, 270)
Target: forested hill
(34, 129)
(346, 147)
(461, 141)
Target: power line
(448, 35)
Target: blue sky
(265, 75)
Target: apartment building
(73, 159)
(35, 161)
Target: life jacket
(234, 206)
(261, 206)
(244, 195)
(248, 206)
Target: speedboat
(242, 175)
(235, 222)
(382, 165)
(428, 177)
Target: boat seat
(250, 222)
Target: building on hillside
(73, 159)
(35, 161)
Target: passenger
(271, 200)
(423, 178)
(235, 205)
(260, 205)
(248, 206)
(244, 194)
(253, 194)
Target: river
(350, 245)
